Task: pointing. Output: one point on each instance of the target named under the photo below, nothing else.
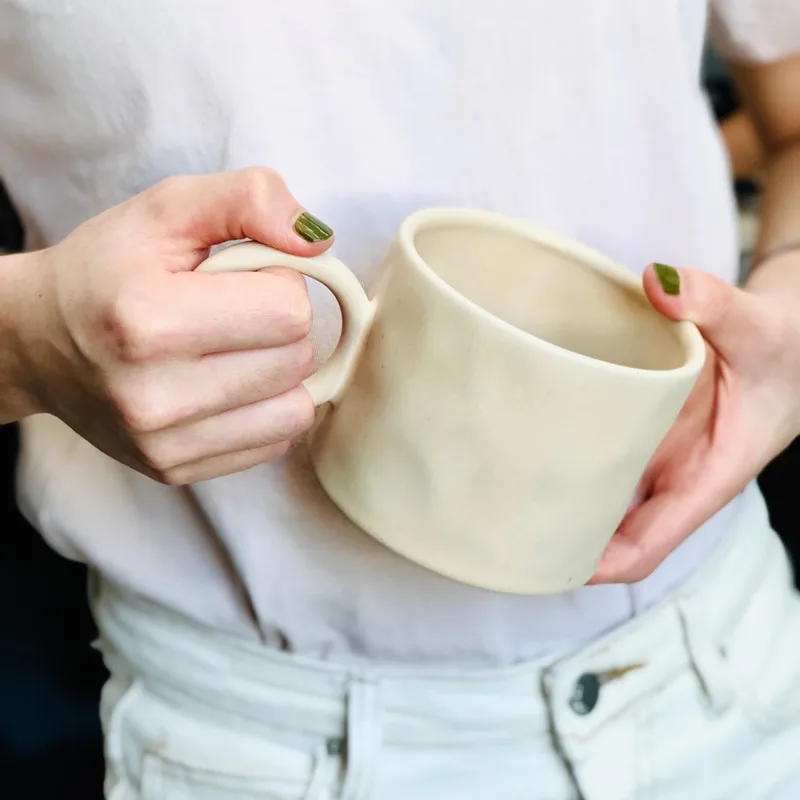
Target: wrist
(776, 284)
(22, 299)
(789, 247)
(778, 278)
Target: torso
(584, 115)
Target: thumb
(724, 314)
(252, 203)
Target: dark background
(50, 742)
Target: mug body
(510, 393)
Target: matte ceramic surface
(495, 406)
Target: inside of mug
(552, 295)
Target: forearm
(17, 293)
(743, 145)
(780, 225)
(771, 94)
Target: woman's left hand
(744, 410)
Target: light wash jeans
(698, 699)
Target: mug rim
(688, 335)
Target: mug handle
(328, 383)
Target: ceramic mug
(494, 407)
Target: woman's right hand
(179, 374)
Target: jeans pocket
(167, 779)
(156, 751)
(764, 659)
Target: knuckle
(261, 184)
(304, 358)
(295, 315)
(300, 415)
(127, 335)
(137, 329)
(133, 414)
(149, 472)
(141, 412)
(160, 197)
(173, 477)
(156, 455)
(160, 462)
(138, 418)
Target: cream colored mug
(494, 407)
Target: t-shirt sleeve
(755, 30)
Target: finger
(259, 425)
(253, 203)
(726, 316)
(653, 530)
(196, 314)
(184, 392)
(241, 311)
(645, 537)
(222, 465)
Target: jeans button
(585, 694)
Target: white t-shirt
(583, 115)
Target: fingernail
(669, 278)
(312, 229)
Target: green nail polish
(669, 278)
(312, 229)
